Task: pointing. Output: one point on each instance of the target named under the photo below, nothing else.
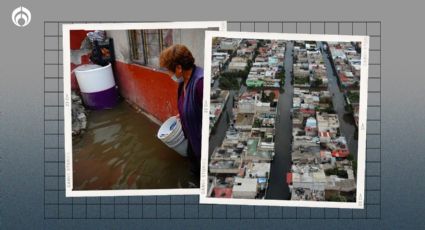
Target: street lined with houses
(284, 130)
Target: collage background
(57, 206)
(22, 110)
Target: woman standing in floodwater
(179, 61)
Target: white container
(182, 148)
(175, 134)
(170, 129)
(176, 141)
(94, 78)
(171, 133)
(97, 86)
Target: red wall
(76, 37)
(153, 91)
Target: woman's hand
(178, 116)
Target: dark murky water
(348, 118)
(120, 150)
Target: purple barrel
(97, 86)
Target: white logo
(21, 16)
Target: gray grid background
(57, 206)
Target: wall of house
(76, 37)
(147, 88)
(150, 89)
(78, 57)
(194, 40)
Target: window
(146, 45)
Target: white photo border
(361, 152)
(66, 28)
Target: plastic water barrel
(97, 86)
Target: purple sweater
(190, 109)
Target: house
(254, 83)
(325, 156)
(257, 170)
(311, 127)
(308, 183)
(228, 45)
(305, 156)
(245, 188)
(300, 71)
(309, 180)
(304, 142)
(257, 153)
(244, 121)
(325, 137)
(222, 192)
(340, 153)
(231, 153)
(328, 123)
(225, 166)
(336, 185)
(237, 66)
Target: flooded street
(281, 163)
(120, 150)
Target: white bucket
(176, 141)
(175, 134)
(171, 133)
(93, 78)
(182, 148)
(169, 130)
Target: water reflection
(120, 150)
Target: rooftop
(244, 119)
(245, 184)
(252, 146)
(224, 164)
(220, 192)
(256, 170)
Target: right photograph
(285, 120)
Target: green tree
(227, 82)
(338, 198)
(257, 123)
(317, 83)
(264, 97)
(272, 96)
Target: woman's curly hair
(176, 55)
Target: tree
(264, 97)
(317, 83)
(227, 82)
(338, 198)
(257, 123)
(272, 96)
(354, 166)
(353, 96)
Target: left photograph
(133, 95)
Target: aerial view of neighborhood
(284, 119)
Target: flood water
(120, 150)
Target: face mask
(177, 79)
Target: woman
(179, 61)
